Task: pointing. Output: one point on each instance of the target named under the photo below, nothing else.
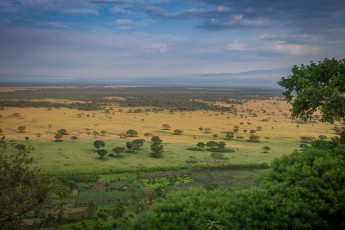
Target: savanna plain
(207, 137)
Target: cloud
(53, 24)
(161, 48)
(80, 11)
(132, 24)
(236, 46)
(294, 49)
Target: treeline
(46, 104)
(106, 94)
(168, 102)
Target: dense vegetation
(304, 190)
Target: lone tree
(74, 138)
(317, 87)
(98, 144)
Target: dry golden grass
(38, 120)
(283, 134)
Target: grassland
(136, 177)
(278, 132)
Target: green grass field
(80, 156)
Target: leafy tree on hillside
(317, 86)
(24, 193)
(74, 138)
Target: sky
(166, 42)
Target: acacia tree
(132, 133)
(317, 86)
(156, 139)
(98, 144)
(166, 127)
(21, 129)
(178, 132)
(157, 150)
(118, 150)
(200, 144)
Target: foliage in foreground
(304, 190)
(317, 87)
(24, 194)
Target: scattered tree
(254, 138)
(217, 156)
(102, 153)
(266, 149)
(74, 138)
(212, 144)
(229, 135)
(62, 131)
(58, 137)
(26, 138)
(178, 132)
(118, 150)
(156, 139)
(132, 133)
(21, 129)
(148, 135)
(98, 144)
(201, 144)
(166, 127)
(156, 150)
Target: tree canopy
(317, 86)
(304, 190)
(24, 192)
